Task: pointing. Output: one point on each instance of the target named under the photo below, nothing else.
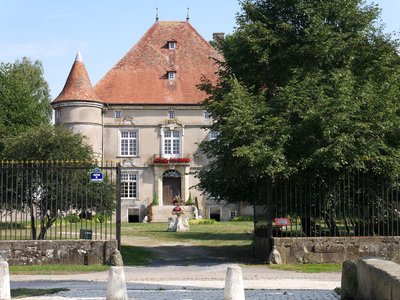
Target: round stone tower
(79, 108)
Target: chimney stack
(218, 36)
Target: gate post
(263, 240)
(269, 200)
(118, 207)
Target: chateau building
(146, 113)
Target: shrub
(202, 221)
(102, 217)
(189, 201)
(155, 199)
(72, 218)
(149, 209)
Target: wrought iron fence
(345, 204)
(59, 200)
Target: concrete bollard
(5, 293)
(116, 285)
(234, 289)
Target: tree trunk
(44, 227)
(33, 226)
(307, 225)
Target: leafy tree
(45, 143)
(50, 177)
(24, 97)
(306, 86)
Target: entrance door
(171, 189)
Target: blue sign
(96, 175)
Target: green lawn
(55, 269)
(210, 235)
(309, 268)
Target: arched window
(172, 173)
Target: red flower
(173, 160)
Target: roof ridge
(141, 74)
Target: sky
(52, 31)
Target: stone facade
(80, 252)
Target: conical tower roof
(153, 72)
(78, 86)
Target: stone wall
(81, 252)
(336, 249)
(370, 278)
(378, 279)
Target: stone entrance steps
(162, 213)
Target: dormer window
(171, 75)
(171, 45)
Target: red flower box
(173, 160)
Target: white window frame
(233, 214)
(212, 135)
(172, 141)
(128, 142)
(171, 75)
(117, 114)
(130, 185)
(206, 115)
(172, 45)
(58, 113)
(171, 114)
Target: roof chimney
(218, 36)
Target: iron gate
(60, 200)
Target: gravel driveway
(183, 271)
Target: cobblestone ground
(188, 283)
(201, 294)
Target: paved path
(204, 282)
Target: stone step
(162, 213)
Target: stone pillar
(349, 282)
(158, 184)
(185, 183)
(116, 285)
(234, 289)
(5, 292)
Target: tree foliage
(45, 143)
(306, 85)
(24, 97)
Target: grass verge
(309, 268)
(20, 293)
(56, 269)
(135, 256)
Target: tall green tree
(306, 85)
(24, 97)
(47, 143)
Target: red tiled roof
(141, 75)
(78, 85)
